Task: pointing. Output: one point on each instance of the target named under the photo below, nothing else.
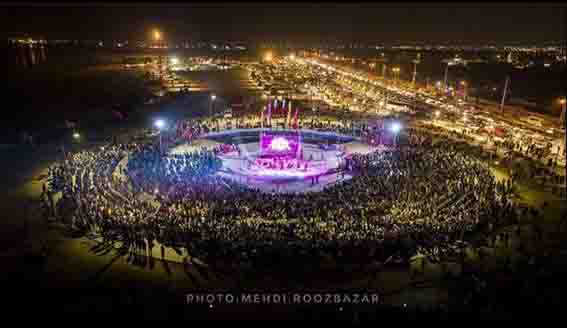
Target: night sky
(405, 22)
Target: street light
(396, 127)
(160, 125)
(157, 38)
(562, 117)
(562, 121)
(157, 35)
(464, 84)
(449, 63)
(212, 103)
(396, 71)
(76, 135)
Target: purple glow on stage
(282, 160)
(287, 145)
(280, 144)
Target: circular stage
(280, 160)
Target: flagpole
(288, 119)
(262, 117)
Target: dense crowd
(525, 159)
(419, 196)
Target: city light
(76, 135)
(157, 35)
(160, 124)
(174, 60)
(396, 127)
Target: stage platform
(281, 161)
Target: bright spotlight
(396, 127)
(160, 124)
(213, 96)
(76, 135)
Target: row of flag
(278, 107)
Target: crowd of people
(525, 160)
(422, 195)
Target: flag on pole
(262, 116)
(296, 118)
(270, 114)
(288, 119)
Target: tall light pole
(504, 93)
(396, 127)
(415, 62)
(465, 89)
(396, 71)
(562, 117)
(562, 121)
(449, 63)
(160, 124)
(157, 38)
(212, 104)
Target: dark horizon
(444, 23)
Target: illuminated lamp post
(157, 38)
(160, 125)
(396, 127)
(562, 117)
(396, 71)
(562, 122)
(212, 104)
(465, 87)
(449, 63)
